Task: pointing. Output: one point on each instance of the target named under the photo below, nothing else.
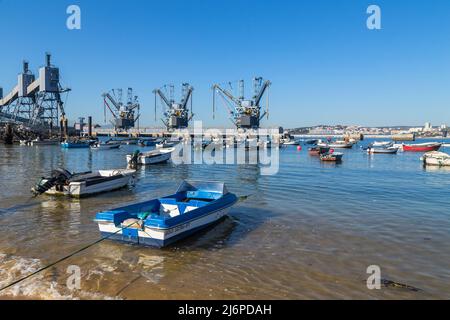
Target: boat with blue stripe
(161, 222)
(77, 144)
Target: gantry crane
(244, 113)
(176, 115)
(124, 115)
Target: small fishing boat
(166, 144)
(45, 142)
(436, 158)
(336, 144)
(147, 142)
(317, 151)
(332, 156)
(106, 146)
(382, 144)
(312, 141)
(150, 157)
(422, 147)
(62, 182)
(289, 142)
(163, 221)
(389, 150)
(77, 144)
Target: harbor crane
(244, 113)
(125, 115)
(176, 115)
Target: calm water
(310, 231)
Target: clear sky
(325, 65)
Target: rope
(64, 258)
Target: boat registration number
(179, 228)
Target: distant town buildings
(334, 130)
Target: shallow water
(308, 232)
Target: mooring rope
(26, 204)
(65, 258)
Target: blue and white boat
(76, 144)
(163, 221)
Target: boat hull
(421, 148)
(84, 189)
(68, 145)
(149, 160)
(334, 157)
(383, 151)
(159, 238)
(105, 146)
(438, 159)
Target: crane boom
(261, 92)
(113, 101)
(186, 99)
(227, 94)
(163, 97)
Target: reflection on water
(310, 231)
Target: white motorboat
(106, 146)
(163, 221)
(166, 144)
(62, 182)
(150, 157)
(436, 158)
(289, 142)
(389, 150)
(336, 144)
(47, 142)
(382, 144)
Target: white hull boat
(161, 222)
(390, 150)
(436, 158)
(151, 157)
(37, 142)
(166, 144)
(62, 182)
(105, 146)
(336, 145)
(289, 142)
(382, 144)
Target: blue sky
(325, 65)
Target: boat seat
(174, 208)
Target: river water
(308, 232)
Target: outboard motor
(58, 177)
(134, 159)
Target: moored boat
(160, 222)
(106, 146)
(389, 150)
(383, 144)
(151, 157)
(332, 156)
(289, 142)
(62, 182)
(436, 158)
(317, 151)
(147, 142)
(312, 141)
(166, 144)
(46, 142)
(77, 144)
(336, 144)
(422, 147)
